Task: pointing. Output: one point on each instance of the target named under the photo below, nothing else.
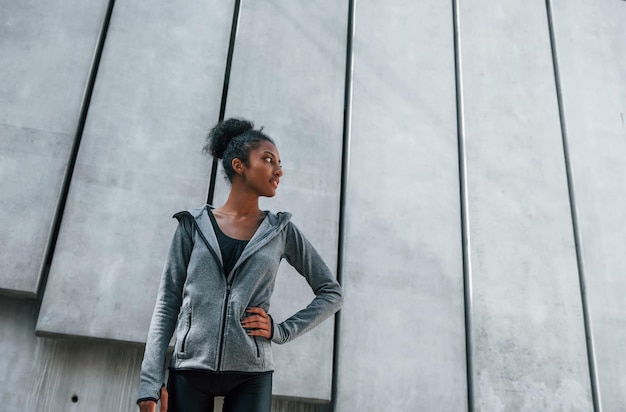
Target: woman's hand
(150, 406)
(258, 323)
(164, 396)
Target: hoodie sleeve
(166, 310)
(328, 294)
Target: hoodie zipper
(224, 316)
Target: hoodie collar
(271, 225)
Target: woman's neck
(241, 203)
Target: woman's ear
(238, 166)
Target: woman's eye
(268, 159)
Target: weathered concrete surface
(45, 50)
(140, 161)
(45, 374)
(17, 344)
(591, 47)
(402, 343)
(529, 340)
(288, 74)
(95, 376)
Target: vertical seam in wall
(53, 235)
(595, 390)
(345, 170)
(229, 62)
(465, 233)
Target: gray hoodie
(204, 306)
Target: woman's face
(263, 172)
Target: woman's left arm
(328, 294)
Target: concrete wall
(528, 322)
(45, 52)
(480, 302)
(139, 162)
(402, 342)
(591, 45)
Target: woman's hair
(233, 139)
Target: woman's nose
(278, 171)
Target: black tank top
(230, 248)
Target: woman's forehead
(269, 147)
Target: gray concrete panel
(140, 161)
(529, 339)
(83, 376)
(402, 343)
(591, 47)
(288, 74)
(44, 375)
(17, 344)
(45, 50)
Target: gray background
(506, 299)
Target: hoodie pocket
(183, 344)
(256, 343)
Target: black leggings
(195, 391)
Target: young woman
(217, 283)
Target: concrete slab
(288, 74)
(46, 51)
(158, 89)
(402, 343)
(591, 47)
(17, 343)
(529, 340)
(61, 375)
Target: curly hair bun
(223, 133)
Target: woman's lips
(274, 182)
